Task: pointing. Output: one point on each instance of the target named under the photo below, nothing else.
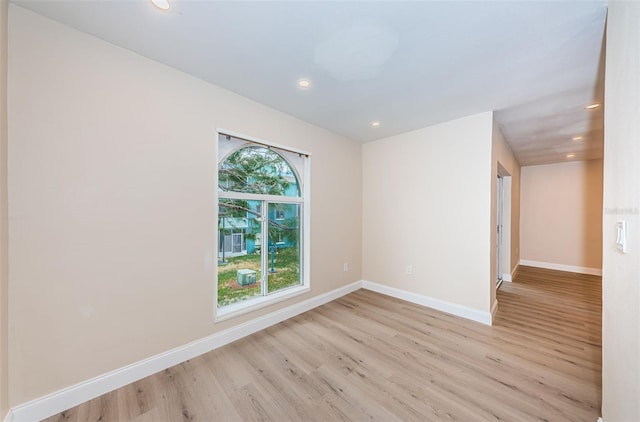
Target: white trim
(259, 302)
(561, 267)
(51, 404)
(262, 197)
(429, 302)
(61, 400)
(507, 278)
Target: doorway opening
(503, 226)
(500, 191)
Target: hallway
(554, 318)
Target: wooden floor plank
(369, 356)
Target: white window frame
(253, 304)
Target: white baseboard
(429, 302)
(59, 401)
(561, 267)
(507, 277)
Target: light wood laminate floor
(370, 357)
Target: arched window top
(260, 170)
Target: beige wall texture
(426, 204)
(620, 280)
(4, 234)
(505, 164)
(113, 212)
(561, 219)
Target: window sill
(250, 305)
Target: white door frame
(499, 229)
(503, 251)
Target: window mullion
(264, 289)
(260, 197)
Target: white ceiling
(405, 64)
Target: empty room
(319, 210)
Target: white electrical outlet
(409, 270)
(345, 267)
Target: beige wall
(503, 158)
(113, 212)
(620, 272)
(562, 214)
(426, 204)
(4, 235)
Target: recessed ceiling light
(577, 138)
(375, 123)
(592, 106)
(304, 83)
(161, 4)
(570, 155)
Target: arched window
(260, 219)
(259, 170)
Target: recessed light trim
(375, 123)
(592, 106)
(304, 83)
(162, 4)
(577, 138)
(571, 155)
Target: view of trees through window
(259, 225)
